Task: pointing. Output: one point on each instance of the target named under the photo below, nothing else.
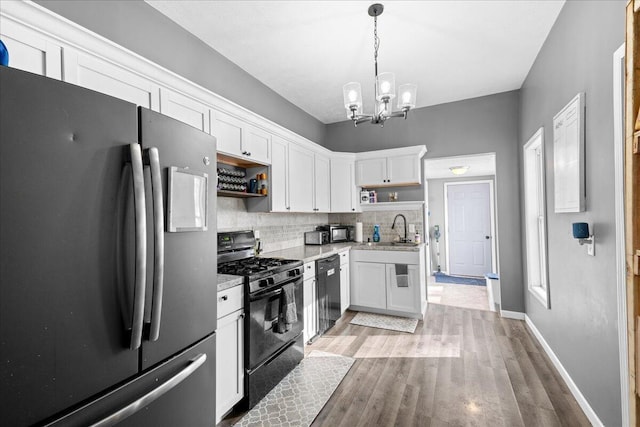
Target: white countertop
(308, 253)
(226, 281)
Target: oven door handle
(262, 295)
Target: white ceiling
(307, 50)
(479, 165)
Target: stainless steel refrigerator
(108, 261)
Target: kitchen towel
(288, 309)
(402, 276)
(358, 232)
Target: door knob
(487, 237)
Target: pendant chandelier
(385, 88)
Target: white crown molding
(419, 150)
(575, 391)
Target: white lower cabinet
(368, 285)
(309, 301)
(392, 282)
(402, 298)
(229, 352)
(345, 279)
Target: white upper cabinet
(185, 109)
(344, 196)
(240, 139)
(371, 172)
(102, 76)
(29, 51)
(322, 184)
(403, 169)
(279, 188)
(301, 177)
(300, 180)
(389, 168)
(228, 131)
(256, 144)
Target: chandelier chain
(376, 43)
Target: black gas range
(273, 312)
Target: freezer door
(179, 392)
(62, 312)
(187, 311)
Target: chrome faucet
(405, 226)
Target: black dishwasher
(328, 291)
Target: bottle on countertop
(376, 233)
(417, 239)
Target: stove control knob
(293, 273)
(263, 283)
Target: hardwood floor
(461, 367)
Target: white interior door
(469, 228)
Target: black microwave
(339, 233)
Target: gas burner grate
(252, 265)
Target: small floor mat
(381, 321)
(458, 280)
(298, 399)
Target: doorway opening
(460, 216)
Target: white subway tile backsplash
(277, 230)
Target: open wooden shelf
(238, 194)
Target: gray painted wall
(436, 216)
(480, 125)
(581, 326)
(139, 27)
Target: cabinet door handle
(248, 153)
(223, 298)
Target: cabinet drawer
(344, 257)
(230, 300)
(310, 270)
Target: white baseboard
(512, 314)
(589, 412)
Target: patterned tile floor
(464, 296)
(299, 397)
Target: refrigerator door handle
(158, 236)
(140, 245)
(148, 398)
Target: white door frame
(618, 144)
(492, 220)
(425, 228)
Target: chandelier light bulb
(353, 96)
(384, 87)
(407, 98)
